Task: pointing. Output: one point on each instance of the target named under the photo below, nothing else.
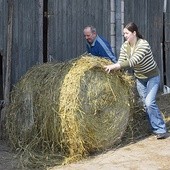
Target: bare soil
(143, 153)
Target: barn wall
(3, 42)
(27, 36)
(148, 15)
(50, 30)
(3, 26)
(167, 43)
(66, 21)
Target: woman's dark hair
(131, 26)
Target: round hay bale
(69, 109)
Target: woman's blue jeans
(147, 89)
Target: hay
(64, 111)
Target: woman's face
(129, 36)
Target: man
(97, 45)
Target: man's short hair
(92, 28)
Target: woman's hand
(116, 66)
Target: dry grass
(62, 112)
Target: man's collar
(94, 41)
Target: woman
(136, 53)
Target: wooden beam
(7, 83)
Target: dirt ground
(146, 153)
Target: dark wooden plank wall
(118, 27)
(26, 51)
(3, 42)
(148, 15)
(3, 26)
(66, 21)
(155, 32)
(167, 43)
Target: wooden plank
(3, 43)
(9, 52)
(40, 30)
(167, 63)
(167, 43)
(118, 28)
(167, 26)
(27, 37)
(8, 68)
(155, 33)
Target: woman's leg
(156, 119)
(142, 90)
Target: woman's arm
(110, 67)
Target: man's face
(89, 36)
